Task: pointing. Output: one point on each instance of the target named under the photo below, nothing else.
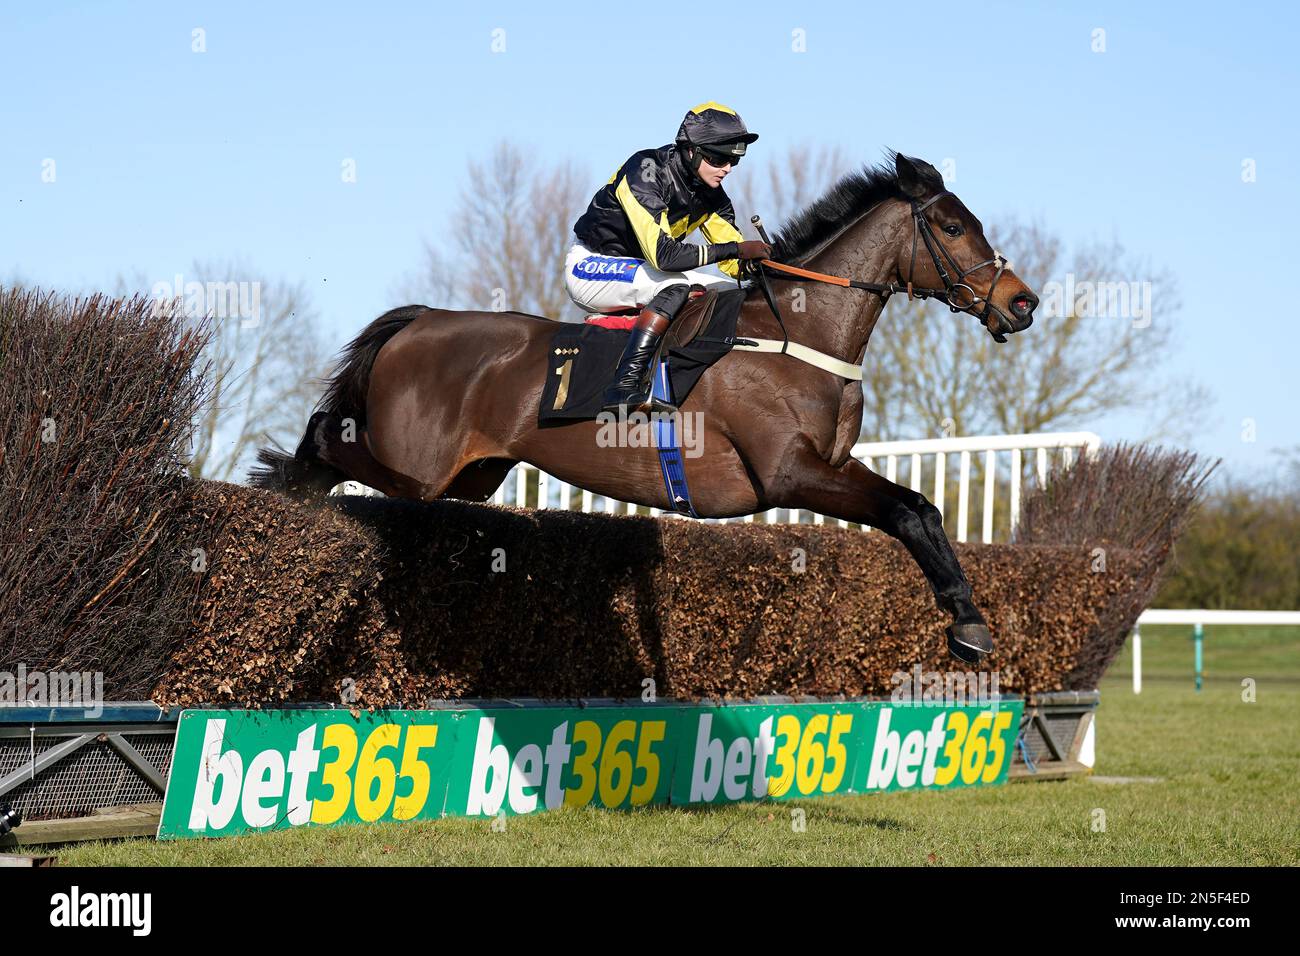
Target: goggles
(722, 156)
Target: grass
(1225, 795)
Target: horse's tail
(345, 395)
(304, 472)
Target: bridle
(956, 293)
(938, 253)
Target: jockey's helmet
(718, 129)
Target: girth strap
(671, 464)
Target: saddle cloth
(583, 357)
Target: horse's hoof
(969, 643)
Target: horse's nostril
(1023, 304)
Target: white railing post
(990, 474)
(963, 495)
(543, 490)
(1016, 468)
(940, 474)
(1137, 659)
(521, 485)
(1198, 638)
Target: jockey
(628, 251)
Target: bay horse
(429, 403)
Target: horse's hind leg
(855, 493)
(350, 454)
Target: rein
(957, 295)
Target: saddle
(695, 314)
(583, 356)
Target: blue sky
(165, 156)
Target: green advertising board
(753, 752)
(240, 771)
(927, 746)
(521, 761)
(235, 771)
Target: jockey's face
(710, 174)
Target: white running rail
(1198, 619)
(934, 452)
(928, 463)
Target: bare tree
(266, 355)
(509, 234)
(1107, 324)
(266, 376)
(928, 371)
(779, 187)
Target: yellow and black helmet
(717, 127)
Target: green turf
(1226, 795)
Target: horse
(429, 403)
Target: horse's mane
(840, 207)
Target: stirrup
(657, 406)
(635, 400)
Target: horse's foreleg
(854, 493)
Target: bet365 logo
(956, 746)
(621, 765)
(342, 772)
(791, 755)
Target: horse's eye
(953, 231)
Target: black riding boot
(632, 381)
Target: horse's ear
(917, 178)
